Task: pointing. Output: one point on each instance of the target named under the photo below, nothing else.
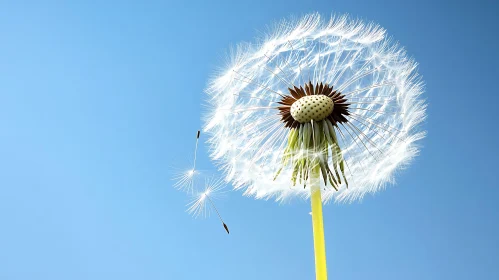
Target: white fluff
(247, 138)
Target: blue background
(98, 100)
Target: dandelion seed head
(377, 109)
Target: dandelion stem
(318, 225)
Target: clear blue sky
(98, 100)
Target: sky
(99, 105)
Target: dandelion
(321, 109)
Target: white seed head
(379, 137)
(312, 107)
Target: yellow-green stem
(318, 225)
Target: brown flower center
(311, 102)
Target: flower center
(312, 107)
(313, 102)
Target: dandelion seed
(184, 180)
(202, 204)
